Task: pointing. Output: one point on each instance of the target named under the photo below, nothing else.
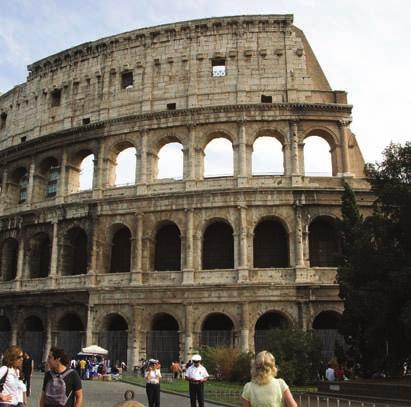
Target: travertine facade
(182, 262)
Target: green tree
(375, 275)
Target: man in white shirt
(330, 373)
(196, 374)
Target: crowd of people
(62, 383)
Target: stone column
(20, 260)
(197, 260)
(54, 253)
(188, 271)
(344, 134)
(190, 155)
(14, 331)
(243, 272)
(188, 344)
(299, 247)
(295, 165)
(90, 326)
(141, 182)
(98, 172)
(3, 194)
(199, 154)
(244, 329)
(62, 182)
(30, 186)
(133, 356)
(137, 247)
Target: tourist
(175, 368)
(330, 373)
(27, 370)
(69, 394)
(264, 389)
(340, 373)
(153, 376)
(196, 374)
(9, 376)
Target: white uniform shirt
(11, 385)
(198, 373)
(330, 374)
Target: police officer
(196, 374)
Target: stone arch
(18, 185)
(266, 322)
(120, 256)
(75, 252)
(318, 161)
(325, 327)
(163, 338)
(48, 179)
(76, 175)
(5, 332)
(167, 251)
(217, 329)
(324, 244)
(268, 154)
(270, 244)
(33, 337)
(270, 132)
(70, 333)
(218, 246)
(9, 255)
(114, 337)
(122, 163)
(171, 152)
(40, 255)
(218, 162)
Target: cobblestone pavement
(108, 394)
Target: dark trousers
(153, 394)
(196, 393)
(27, 382)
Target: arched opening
(5, 333)
(163, 339)
(86, 173)
(167, 248)
(317, 157)
(170, 161)
(217, 330)
(266, 323)
(218, 247)
(17, 186)
(270, 245)
(323, 243)
(121, 251)
(48, 183)
(267, 157)
(218, 158)
(325, 326)
(70, 334)
(114, 338)
(75, 253)
(33, 338)
(126, 167)
(9, 255)
(40, 255)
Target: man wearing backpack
(62, 385)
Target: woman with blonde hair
(9, 376)
(265, 390)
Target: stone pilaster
(344, 134)
(188, 338)
(245, 328)
(188, 271)
(54, 253)
(243, 269)
(30, 186)
(137, 250)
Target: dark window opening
(55, 97)
(218, 247)
(323, 244)
(3, 118)
(53, 181)
(168, 249)
(23, 183)
(327, 320)
(8, 262)
(270, 245)
(40, 256)
(75, 252)
(164, 322)
(23, 139)
(218, 65)
(86, 120)
(126, 79)
(217, 330)
(121, 251)
(171, 106)
(266, 99)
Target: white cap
(196, 358)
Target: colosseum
(161, 266)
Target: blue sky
(363, 46)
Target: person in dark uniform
(27, 369)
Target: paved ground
(107, 394)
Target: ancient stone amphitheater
(162, 266)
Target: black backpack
(3, 380)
